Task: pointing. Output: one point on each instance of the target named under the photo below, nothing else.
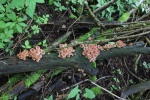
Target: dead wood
(52, 61)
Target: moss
(87, 35)
(31, 79)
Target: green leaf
(2, 24)
(72, 16)
(20, 19)
(19, 28)
(74, 92)
(39, 1)
(2, 15)
(31, 6)
(94, 64)
(12, 16)
(44, 41)
(124, 17)
(96, 90)
(51, 97)
(22, 24)
(2, 8)
(89, 94)
(15, 3)
(28, 47)
(93, 78)
(27, 43)
(78, 97)
(2, 45)
(51, 2)
(2, 1)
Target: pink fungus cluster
(65, 51)
(22, 55)
(120, 44)
(35, 54)
(90, 51)
(109, 46)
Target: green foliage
(94, 64)
(74, 93)
(124, 17)
(43, 43)
(11, 23)
(26, 45)
(35, 29)
(5, 97)
(31, 4)
(146, 65)
(96, 90)
(89, 94)
(72, 16)
(42, 20)
(59, 6)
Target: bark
(52, 61)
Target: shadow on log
(52, 61)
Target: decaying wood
(52, 61)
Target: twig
(146, 15)
(86, 80)
(107, 91)
(131, 72)
(99, 10)
(138, 58)
(58, 41)
(77, 18)
(93, 16)
(74, 43)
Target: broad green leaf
(51, 97)
(2, 45)
(22, 24)
(74, 92)
(93, 78)
(51, 2)
(31, 6)
(28, 47)
(78, 97)
(2, 15)
(8, 24)
(16, 3)
(13, 24)
(39, 1)
(89, 94)
(26, 43)
(44, 41)
(94, 64)
(12, 16)
(2, 8)
(96, 90)
(20, 19)
(19, 28)
(2, 1)
(124, 17)
(2, 24)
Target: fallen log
(52, 61)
